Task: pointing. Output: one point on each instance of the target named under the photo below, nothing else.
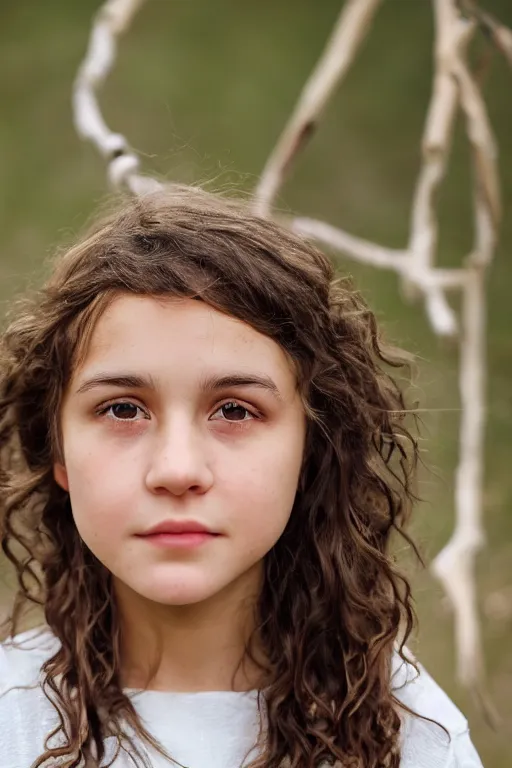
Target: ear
(61, 476)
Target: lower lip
(179, 540)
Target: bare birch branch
(111, 21)
(452, 34)
(454, 565)
(498, 32)
(428, 281)
(350, 30)
(351, 246)
(481, 138)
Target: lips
(179, 535)
(178, 527)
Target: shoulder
(426, 744)
(26, 715)
(22, 657)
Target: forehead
(160, 332)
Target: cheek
(262, 492)
(100, 490)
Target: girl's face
(183, 417)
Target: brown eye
(234, 412)
(124, 411)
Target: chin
(183, 598)
(173, 594)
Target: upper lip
(177, 526)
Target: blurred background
(202, 90)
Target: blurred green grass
(202, 90)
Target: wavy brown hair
(333, 604)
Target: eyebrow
(209, 384)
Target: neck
(196, 647)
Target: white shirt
(211, 729)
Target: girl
(203, 459)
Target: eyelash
(104, 411)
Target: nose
(178, 461)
